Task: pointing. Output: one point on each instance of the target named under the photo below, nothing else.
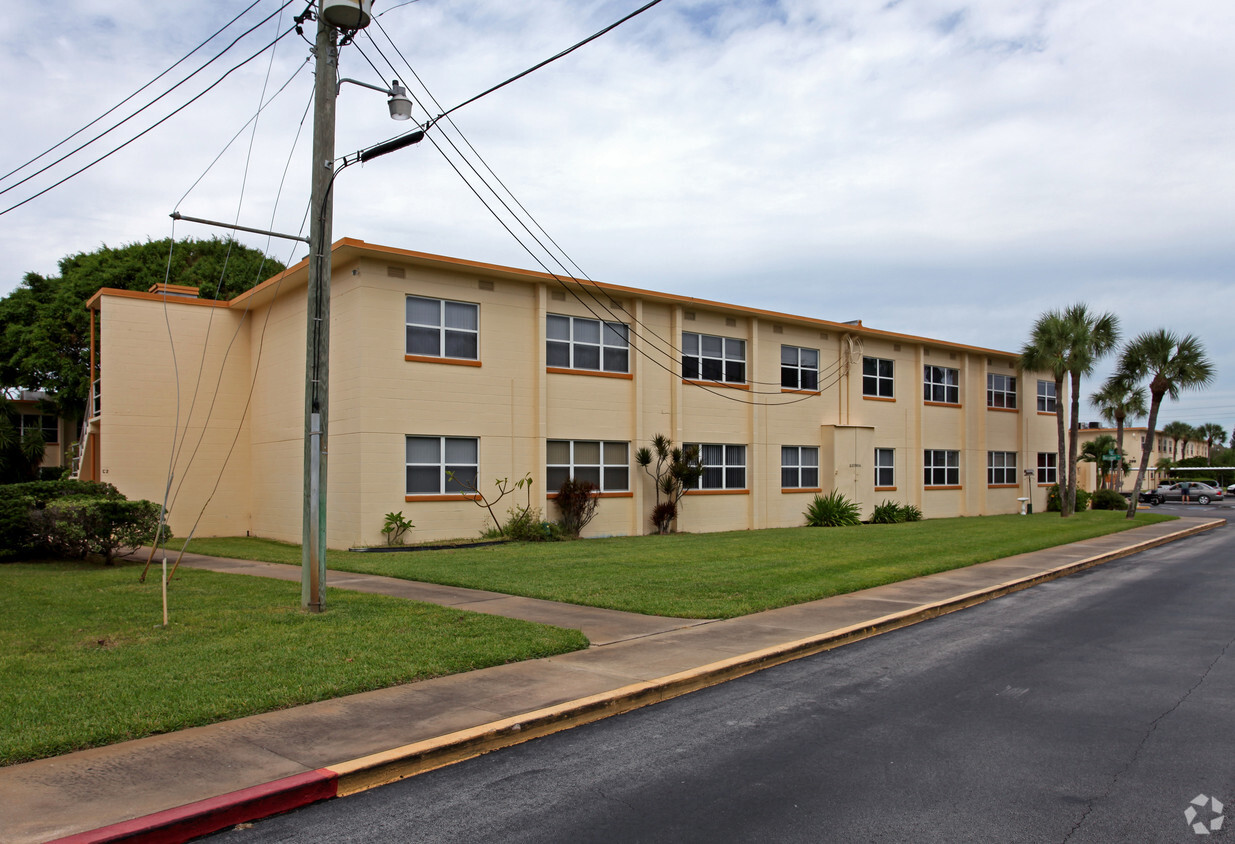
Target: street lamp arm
(387, 91)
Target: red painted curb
(185, 823)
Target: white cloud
(931, 167)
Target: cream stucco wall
(512, 402)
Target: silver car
(1195, 490)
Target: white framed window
(706, 357)
(578, 343)
(877, 377)
(1000, 390)
(1047, 400)
(724, 466)
(604, 463)
(885, 467)
(1048, 471)
(799, 467)
(941, 467)
(799, 368)
(440, 328)
(442, 465)
(45, 424)
(1001, 468)
(941, 385)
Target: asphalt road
(1089, 709)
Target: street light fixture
(400, 103)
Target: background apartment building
(445, 369)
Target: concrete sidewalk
(176, 786)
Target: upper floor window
(877, 377)
(1046, 397)
(724, 466)
(941, 468)
(941, 384)
(443, 329)
(799, 467)
(709, 358)
(1000, 390)
(1001, 468)
(799, 368)
(442, 465)
(578, 343)
(604, 464)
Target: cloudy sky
(926, 166)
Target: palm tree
(1211, 432)
(1178, 432)
(1095, 451)
(1090, 338)
(1171, 364)
(1118, 401)
(1046, 351)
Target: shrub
(833, 510)
(1082, 499)
(676, 471)
(909, 513)
(524, 524)
(663, 515)
(887, 513)
(394, 528)
(72, 519)
(1107, 499)
(577, 502)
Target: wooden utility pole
(317, 363)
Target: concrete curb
(360, 774)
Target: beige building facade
(442, 369)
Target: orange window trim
(1003, 486)
(553, 495)
(1006, 409)
(724, 384)
(877, 398)
(885, 489)
(451, 361)
(718, 492)
(942, 404)
(1048, 413)
(943, 487)
(786, 490)
(557, 370)
(802, 392)
(453, 497)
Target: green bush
(526, 525)
(577, 501)
(887, 513)
(72, 519)
(1106, 499)
(1082, 499)
(833, 510)
(909, 513)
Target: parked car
(1197, 491)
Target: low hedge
(72, 519)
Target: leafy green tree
(1171, 364)
(1117, 402)
(675, 471)
(1095, 451)
(45, 333)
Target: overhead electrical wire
(154, 126)
(168, 70)
(601, 303)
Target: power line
(172, 67)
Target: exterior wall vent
(823, 335)
(485, 284)
(731, 322)
(896, 347)
(396, 272)
(778, 329)
(557, 295)
(688, 315)
(952, 355)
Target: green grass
(714, 575)
(84, 660)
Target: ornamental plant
(833, 510)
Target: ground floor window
(885, 475)
(799, 467)
(442, 465)
(1048, 462)
(44, 424)
(1001, 468)
(941, 468)
(724, 466)
(604, 464)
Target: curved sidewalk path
(180, 785)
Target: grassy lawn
(84, 660)
(713, 575)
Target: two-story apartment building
(444, 369)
